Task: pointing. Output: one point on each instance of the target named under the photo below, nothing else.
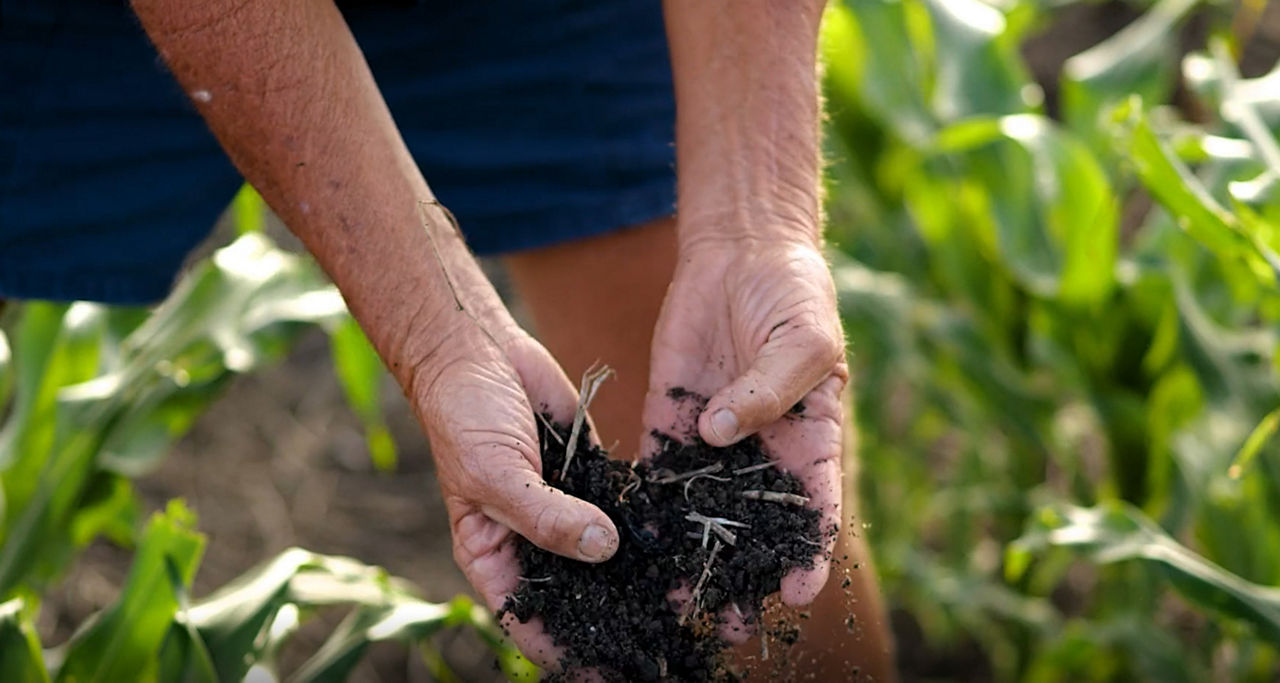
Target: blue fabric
(535, 121)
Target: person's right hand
(476, 397)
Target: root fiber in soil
(720, 525)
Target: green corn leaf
(464, 611)
(360, 372)
(979, 70)
(1205, 78)
(404, 618)
(1117, 532)
(1091, 649)
(1257, 439)
(183, 655)
(234, 313)
(436, 664)
(107, 507)
(1139, 59)
(249, 210)
(1071, 254)
(244, 623)
(56, 345)
(842, 52)
(1172, 184)
(893, 84)
(20, 658)
(340, 653)
(125, 641)
(233, 621)
(36, 336)
(6, 370)
(1241, 111)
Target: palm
(725, 317)
(479, 416)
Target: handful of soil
(724, 524)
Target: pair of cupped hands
(751, 324)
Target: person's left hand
(753, 326)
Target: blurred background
(1053, 228)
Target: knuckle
(766, 401)
(477, 479)
(554, 526)
(820, 345)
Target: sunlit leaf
(339, 654)
(894, 88)
(1115, 533)
(1098, 649)
(1139, 59)
(231, 314)
(232, 620)
(1257, 438)
(183, 655)
(249, 210)
(979, 69)
(1241, 111)
(1184, 196)
(20, 658)
(360, 372)
(6, 369)
(125, 641)
(1072, 254)
(1205, 79)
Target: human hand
(753, 325)
(476, 400)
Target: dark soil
(618, 616)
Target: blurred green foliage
(99, 396)
(1064, 335)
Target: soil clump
(721, 525)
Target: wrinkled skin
(478, 411)
(754, 327)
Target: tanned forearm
(287, 92)
(747, 123)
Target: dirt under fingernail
(719, 523)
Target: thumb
(550, 518)
(792, 361)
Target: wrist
(427, 305)
(753, 178)
(748, 223)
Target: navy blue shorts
(535, 121)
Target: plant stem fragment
(776, 497)
(753, 468)
(673, 477)
(591, 381)
(718, 525)
(702, 580)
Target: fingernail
(724, 424)
(596, 543)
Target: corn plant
(1064, 335)
(97, 397)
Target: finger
(794, 359)
(669, 413)
(551, 519)
(819, 471)
(734, 629)
(549, 389)
(821, 480)
(483, 549)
